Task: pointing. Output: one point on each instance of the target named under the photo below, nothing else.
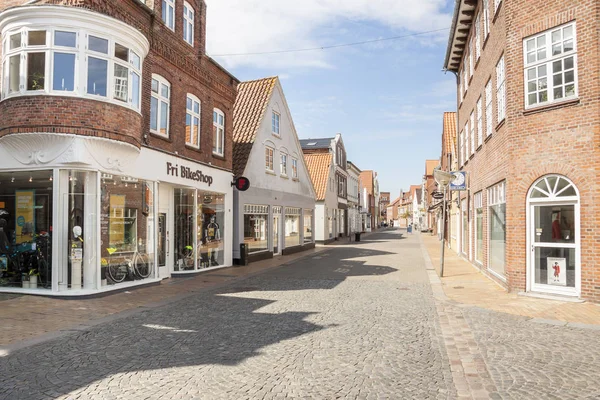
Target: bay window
(159, 105)
(192, 121)
(72, 63)
(550, 66)
(218, 132)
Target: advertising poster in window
(117, 222)
(557, 271)
(24, 215)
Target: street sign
(241, 183)
(460, 181)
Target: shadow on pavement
(212, 327)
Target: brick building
(116, 144)
(429, 188)
(384, 201)
(527, 116)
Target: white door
(553, 219)
(165, 231)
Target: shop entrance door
(554, 259)
(165, 232)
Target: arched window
(553, 187)
(160, 105)
(192, 121)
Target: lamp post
(443, 179)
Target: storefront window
(126, 228)
(210, 223)
(478, 200)
(308, 226)
(26, 229)
(292, 226)
(465, 227)
(497, 223)
(256, 227)
(184, 238)
(330, 219)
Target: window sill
(284, 176)
(218, 156)
(276, 135)
(488, 137)
(501, 124)
(296, 179)
(162, 137)
(192, 147)
(270, 173)
(550, 107)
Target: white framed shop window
(256, 227)
(218, 132)
(192, 121)
(551, 66)
(188, 23)
(168, 13)
(160, 103)
(496, 199)
(47, 60)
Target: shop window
(47, 61)
(478, 202)
(256, 228)
(192, 121)
(185, 236)
(126, 228)
(218, 132)
(292, 226)
(210, 224)
(188, 23)
(159, 105)
(26, 229)
(497, 228)
(308, 226)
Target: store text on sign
(187, 173)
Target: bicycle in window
(135, 265)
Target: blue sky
(386, 99)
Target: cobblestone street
(358, 321)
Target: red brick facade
(187, 69)
(560, 138)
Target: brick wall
(187, 69)
(559, 139)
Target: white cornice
(74, 18)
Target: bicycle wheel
(116, 272)
(142, 266)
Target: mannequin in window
(212, 234)
(556, 233)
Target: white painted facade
(275, 188)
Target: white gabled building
(276, 214)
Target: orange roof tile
(366, 179)
(250, 106)
(449, 132)
(318, 165)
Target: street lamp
(443, 179)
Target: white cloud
(248, 26)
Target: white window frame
(460, 90)
(275, 123)
(161, 99)
(168, 12)
(283, 157)
(219, 131)
(81, 56)
(270, 153)
(466, 75)
(294, 168)
(486, 19)
(467, 141)
(193, 115)
(547, 61)
(188, 23)
(478, 36)
(501, 89)
(479, 123)
(496, 5)
(471, 62)
(489, 115)
(496, 195)
(473, 133)
(477, 204)
(461, 138)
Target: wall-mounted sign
(187, 173)
(25, 216)
(460, 180)
(241, 183)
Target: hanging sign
(460, 180)
(241, 183)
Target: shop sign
(187, 173)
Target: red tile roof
(449, 132)
(318, 165)
(250, 107)
(366, 179)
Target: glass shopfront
(26, 206)
(308, 226)
(497, 228)
(210, 225)
(185, 244)
(256, 232)
(292, 226)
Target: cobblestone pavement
(358, 321)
